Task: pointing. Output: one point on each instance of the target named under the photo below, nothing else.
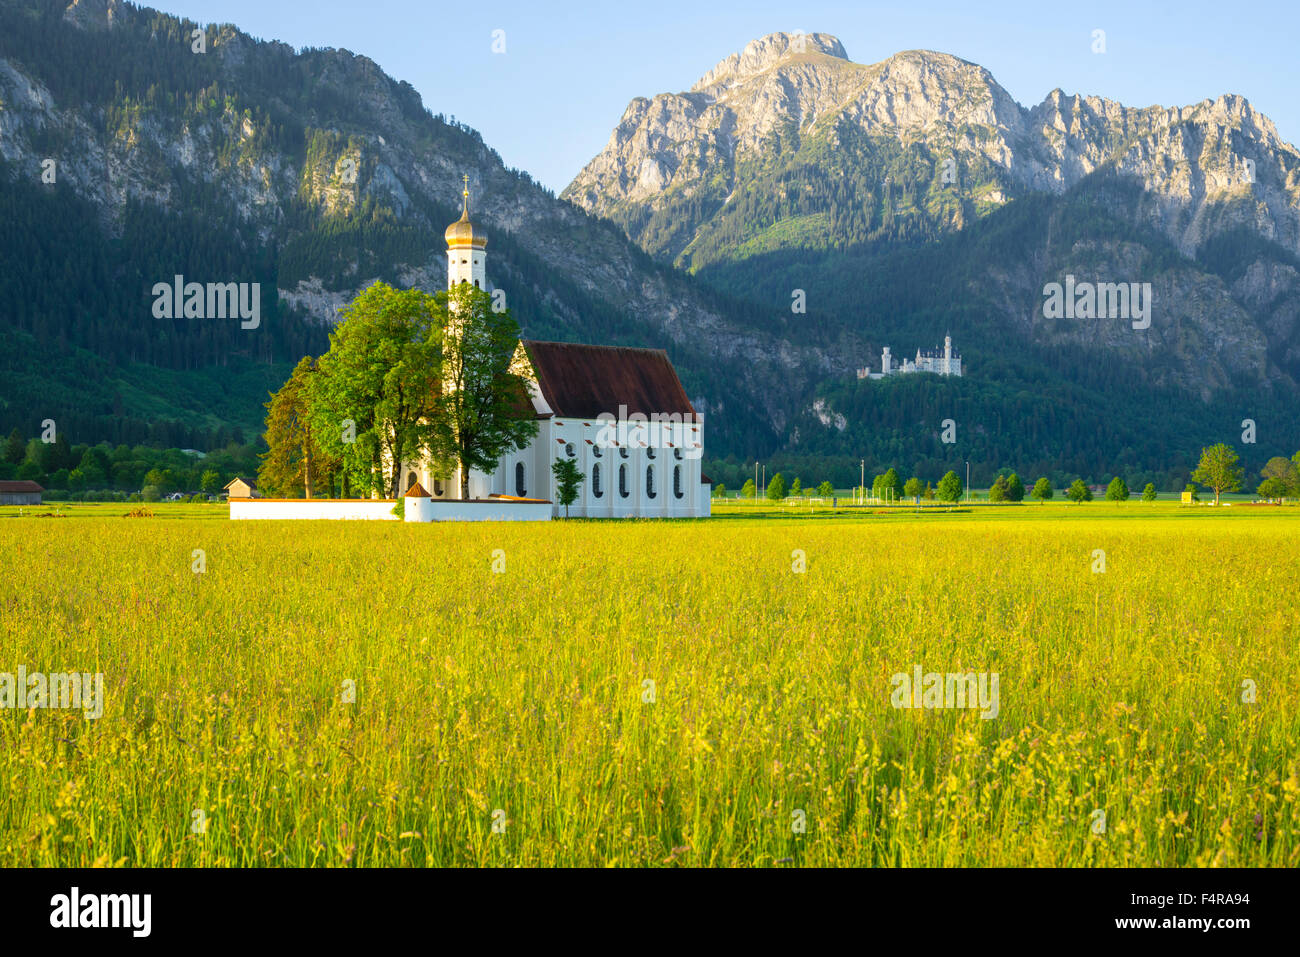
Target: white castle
(946, 362)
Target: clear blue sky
(548, 104)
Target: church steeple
(466, 248)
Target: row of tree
(1218, 470)
(63, 468)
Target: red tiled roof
(20, 486)
(417, 491)
(583, 381)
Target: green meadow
(718, 692)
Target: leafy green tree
(1285, 475)
(61, 454)
(160, 479)
(210, 481)
(15, 447)
(92, 473)
(1149, 493)
(928, 494)
(748, 490)
(1272, 489)
(720, 490)
(41, 454)
(891, 486)
(1218, 470)
(151, 493)
(373, 400)
(776, 488)
(1117, 490)
(796, 487)
(568, 480)
(913, 488)
(998, 490)
(293, 459)
(1079, 492)
(950, 487)
(1015, 488)
(826, 490)
(484, 411)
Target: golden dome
(465, 232)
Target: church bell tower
(466, 249)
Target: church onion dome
(465, 232)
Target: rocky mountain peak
(766, 52)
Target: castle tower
(885, 362)
(947, 355)
(466, 249)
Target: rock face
(788, 151)
(234, 127)
(784, 100)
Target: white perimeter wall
(379, 510)
(348, 509)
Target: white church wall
(554, 440)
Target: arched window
(597, 451)
(476, 285)
(622, 481)
(410, 480)
(650, 452)
(623, 452)
(437, 487)
(650, 481)
(568, 450)
(677, 454)
(677, 481)
(596, 490)
(521, 489)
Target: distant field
(521, 697)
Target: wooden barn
(20, 493)
(241, 488)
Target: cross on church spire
(465, 206)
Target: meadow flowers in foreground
(628, 694)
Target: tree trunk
(306, 467)
(464, 480)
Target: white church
(620, 414)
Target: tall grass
(526, 692)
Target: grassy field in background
(642, 693)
